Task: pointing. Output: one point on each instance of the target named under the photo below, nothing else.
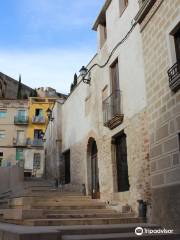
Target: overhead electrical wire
(112, 52)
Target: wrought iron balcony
(35, 142)
(38, 119)
(112, 110)
(21, 120)
(174, 77)
(20, 142)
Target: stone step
(70, 203)
(15, 232)
(20, 214)
(121, 236)
(88, 215)
(80, 211)
(51, 200)
(60, 198)
(65, 207)
(103, 229)
(52, 192)
(80, 221)
(83, 232)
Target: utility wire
(112, 52)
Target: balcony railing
(174, 77)
(21, 120)
(38, 119)
(112, 110)
(20, 142)
(36, 142)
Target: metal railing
(38, 119)
(36, 142)
(21, 120)
(112, 106)
(174, 76)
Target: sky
(47, 41)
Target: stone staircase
(43, 212)
(62, 210)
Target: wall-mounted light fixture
(49, 114)
(85, 74)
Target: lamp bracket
(87, 81)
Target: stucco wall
(7, 123)
(29, 161)
(53, 142)
(11, 178)
(82, 115)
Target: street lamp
(49, 114)
(85, 74)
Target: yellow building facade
(34, 163)
(38, 119)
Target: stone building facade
(160, 29)
(53, 143)
(104, 129)
(13, 132)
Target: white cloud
(58, 14)
(52, 67)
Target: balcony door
(20, 136)
(38, 134)
(39, 112)
(95, 171)
(21, 115)
(177, 44)
(114, 76)
(115, 101)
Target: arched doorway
(93, 170)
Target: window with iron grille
(37, 161)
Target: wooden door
(95, 172)
(115, 105)
(114, 77)
(67, 167)
(122, 165)
(177, 44)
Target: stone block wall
(163, 111)
(138, 163)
